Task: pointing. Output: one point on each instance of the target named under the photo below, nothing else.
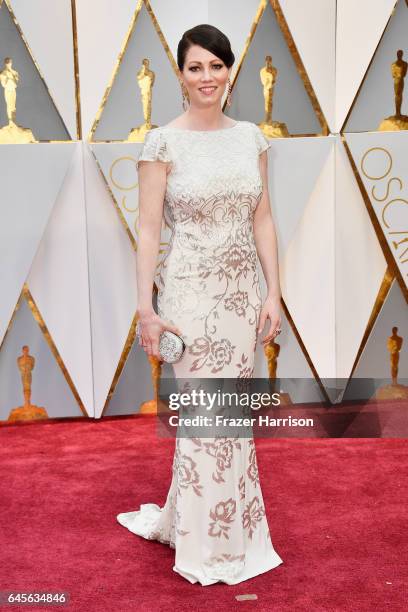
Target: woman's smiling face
(205, 77)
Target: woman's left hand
(271, 309)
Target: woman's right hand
(151, 327)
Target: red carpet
(337, 510)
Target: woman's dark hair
(209, 37)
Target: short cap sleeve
(262, 142)
(154, 148)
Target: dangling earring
(229, 94)
(185, 98)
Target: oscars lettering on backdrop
(272, 350)
(268, 75)
(145, 81)
(12, 133)
(125, 195)
(394, 390)
(391, 224)
(398, 121)
(29, 411)
(130, 191)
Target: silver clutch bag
(171, 345)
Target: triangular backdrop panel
(172, 28)
(123, 107)
(316, 46)
(35, 108)
(373, 370)
(360, 264)
(375, 359)
(237, 30)
(95, 32)
(301, 187)
(54, 52)
(307, 267)
(291, 363)
(135, 384)
(291, 103)
(359, 27)
(206, 11)
(117, 162)
(59, 284)
(49, 388)
(294, 168)
(381, 161)
(375, 100)
(32, 176)
(113, 289)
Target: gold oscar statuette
(394, 390)
(29, 411)
(271, 129)
(12, 133)
(272, 350)
(398, 121)
(150, 407)
(145, 81)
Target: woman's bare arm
(152, 188)
(267, 248)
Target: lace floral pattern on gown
(214, 515)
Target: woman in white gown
(210, 175)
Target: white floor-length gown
(214, 516)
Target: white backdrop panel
(307, 273)
(295, 172)
(113, 290)
(59, 282)
(360, 264)
(102, 27)
(220, 13)
(316, 46)
(32, 176)
(358, 30)
(294, 167)
(118, 165)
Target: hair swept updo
(209, 37)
